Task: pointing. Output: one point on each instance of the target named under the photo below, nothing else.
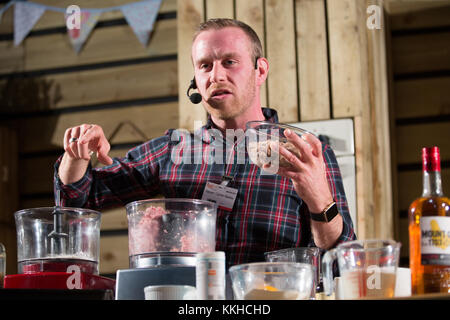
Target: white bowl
(170, 292)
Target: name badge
(220, 194)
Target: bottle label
(210, 276)
(435, 240)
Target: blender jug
(53, 239)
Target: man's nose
(218, 73)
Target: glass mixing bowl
(272, 281)
(260, 138)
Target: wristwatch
(327, 214)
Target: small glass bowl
(272, 281)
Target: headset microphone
(195, 97)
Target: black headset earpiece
(195, 97)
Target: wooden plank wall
(116, 82)
(420, 59)
(324, 64)
(9, 189)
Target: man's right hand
(79, 143)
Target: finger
(91, 133)
(74, 145)
(288, 155)
(102, 154)
(67, 148)
(315, 143)
(83, 149)
(304, 148)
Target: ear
(262, 70)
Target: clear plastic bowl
(170, 231)
(272, 281)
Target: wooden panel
(8, 239)
(51, 129)
(404, 237)
(252, 13)
(280, 44)
(364, 180)
(52, 19)
(379, 124)
(114, 219)
(346, 28)
(349, 67)
(38, 172)
(113, 254)
(416, 98)
(9, 194)
(410, 186)
(11, 57)
(111, 219)
(52, 51)
(312, 60)
(190, 13)
(98, 86)
(395, 7)
(425, 18)
(219, 9)
(36, 203)
(412, 138)
(421, 52)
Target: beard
(234, 105)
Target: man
(303, 205)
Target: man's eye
(230, 62)
(204, 66)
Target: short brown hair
(217, 24)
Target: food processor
(164, 236)
(58, 248)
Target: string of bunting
(80, 22)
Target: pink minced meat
(145, 236)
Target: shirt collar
(269, 114)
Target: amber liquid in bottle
(429, 231)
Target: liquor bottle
(429, 231)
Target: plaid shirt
(267, 214)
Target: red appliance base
(58, 280)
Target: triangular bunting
(25, 17)
(88, 20)
(141, 16)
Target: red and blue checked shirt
(267, 214)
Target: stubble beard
(234, 106)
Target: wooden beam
(252, 13)
(90, 87)
(54, 50)
(359, 90)
(132, 121)
(219, 9)
(190, 15)
(281, 53)
(312, 60)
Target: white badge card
(222, 195)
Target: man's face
(224, 71)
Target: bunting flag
(25, 17)
(78, 37)
(140, 15)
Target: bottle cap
(431, 160)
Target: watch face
(327, 215)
